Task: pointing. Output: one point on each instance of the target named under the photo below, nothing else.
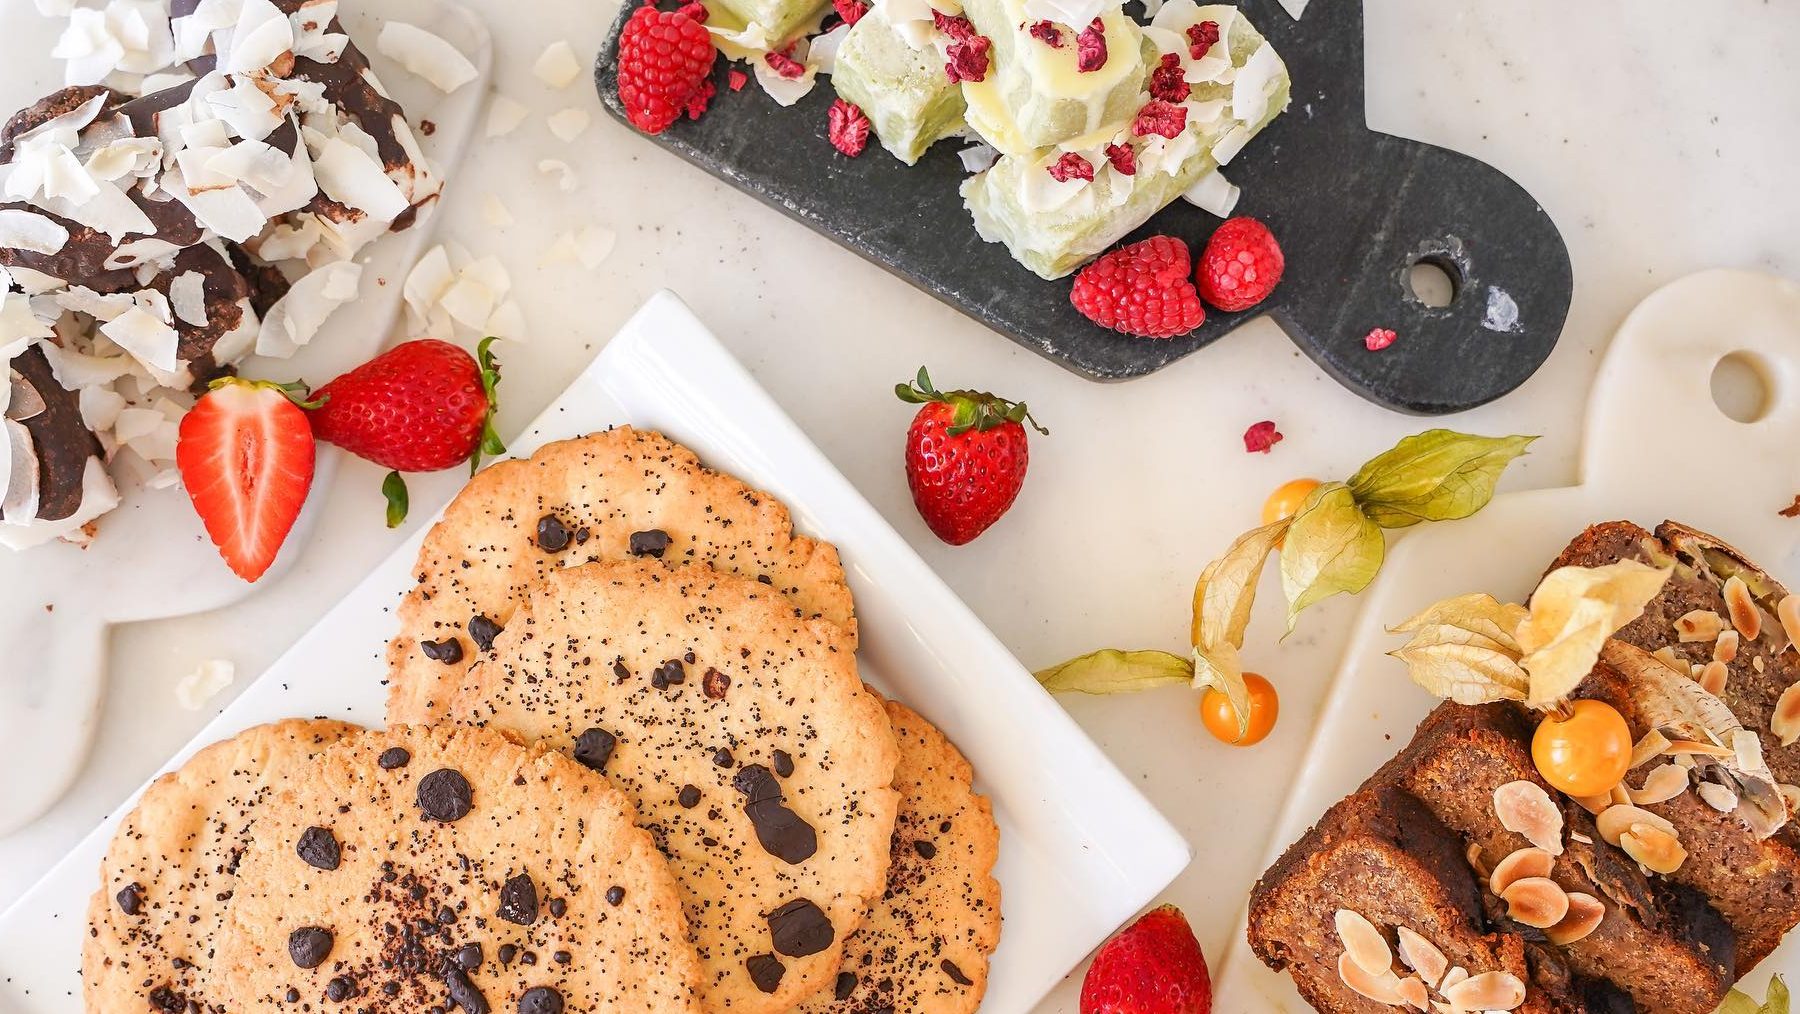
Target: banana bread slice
(1381, 854)
(1657, 941)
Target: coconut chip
(187, 296)
(566, 181)
(1213, 193)
(18, 322)
(568, 124)
(350, 175)
(557, 66)
(28, 230)
(150, 340)
(426, 55)
(204, 683)
(296, 317)
(495, 212)
(504, 116)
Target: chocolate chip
(318, 848)
(846, 984)
(765, 579)
(715, 684)
(552, 534)
(800, 929)
(483, 631)
(518, 900)
(558, 907)
(925, 849)
(562, 957)
(766, 971)
(670, 674)
(309, 946)
(446, 915)
(541, 1000)
(956, 974)
(463, 992)
(293, 995)
(468, 957)
(508, 952)
(620, 671)
(784, 763)
(165, 999)
(781, 832)
(650, 543)
(393, 757)
(594, 747)
(130, 899)
(528, 958)
(689, 797)
(340, 989)
(615, 895)
(445, 795)
(722, 758)
(447, 651)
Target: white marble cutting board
(152, 558)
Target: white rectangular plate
(1080, 848)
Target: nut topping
(1658, 850)
(1650, 745)
(1719, 797)
(1746, 619)
(1476, 862)
(1712, 677)
(1413, 991)
(1530, 862)
(1363, 942)
(1536, 902)
(1712, 750)
(1585, 915)
(1594, 804)
(1617, 820)
(1788, 612)
(1452, 977)
(1666, 655)
(1524, 808)
(1422, 956)
(1665, 783)
(1725, 649)
(1790, 794)
(1487, 991)
(1382, 988)
(1785, 722)
(1699, 625)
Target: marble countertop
(1660, 136)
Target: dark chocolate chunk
(468, 957)
(845, 985)
(540, 1000)
(463, 992)
(784, 763)
(650, 543)
(309, 946)
(783, 833)
(165, 999)
(130, 899)
(445, 795)
(552, 534)
(925, 849)
(715, 684)
(393, 757)
(519, 900)
(508, 952)
(956, 974)
(800, 929)
(614, 895)
(620, 671)
(562, 957)
(722, 758)
(594, 747)
(318, 848)
(766, 971)
(528, 958)
(483, 631)
(765, 579)
(689, 797)
(670, 674)
(558, 907)
(448, 651)
(446, 915)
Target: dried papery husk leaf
(1719, 797)
(1725, 649)
(1479, 614)
(1487, 991)
(1616, 820)
(1412, 990)
(1698, 625)
(1363, 942)
(1648, 747)
(1223, 597)
(1331, 548)
(1536, 902)
(1468, 674)
(1521, 865)
(1712, 677)
(1788, 612)
(1585, 914)
(1785, 722)
(1381, 988)
(1524, 808)
(1746, 617)
(1422, 956)
(1663, 784)
(1572, 613)
(1594, 804)
(1659, 851)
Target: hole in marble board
(1435, 281)
(1742, 387)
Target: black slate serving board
(1354, 210)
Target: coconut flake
(204, 683)
(1227, 147)
(568, 124)
(149, 340)
(262, 35)
(823, 49)
(352, 176)
(593, 245)
(1213, 193)
(557, 66)
(495, 212)
(19, 498)
(28, 230)
(246, 109)
(566, 179)
(426, 283)
(297, 316)
(785, 90)
(187, 295)
(227, 211)
(100, 407)
(426, 55)
(18, 322)
(1255, 79)
(978, 157)
(505, 115)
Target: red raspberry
(1261, 437)
(968, 58)
(1070, 167)
(665, 68)
(1241, 265)
(1090, 47)
(1201, 38)
(850, 10)
(1379, 338)
(1123, 158)
(1142, 289)
(1167, 81)
(849, 128)
(1159, 117)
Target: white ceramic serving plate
(1081, 850)
(1657, 447)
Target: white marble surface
(1661, 136)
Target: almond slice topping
(1666, 655)
(1594, 804)
(1665, 783)
(1699, 625)
(1650, 744)
(1455, 975)
(1413, 991)
(1524, 808)
(1476, 863)
(1585, 915)
(1363, 942)
(1790, 794)
(1785, 722)
(1712, 677)
(1746, 619)
(1788, 612)
(1658, 850)
(1617, 820)
(1531, 862)
(1382, 988)
(1423, 957)
(1620, 795)
(1719, 797)
(1536, 902)
(1487, 991)
(1725, 649)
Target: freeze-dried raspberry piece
(693, 9)
(1071, 167)
(783, 63)
(1047, 33)
(1379, 338)
(968, 58)
(848, 128)
(953, 25)
(1123, 158)
(850, 10)
(701, 99)
(1166, 81)
(1159, 117)
(1261, 438)
(1090, 47)
(1201, 38)
(736, 79)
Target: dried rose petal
(1071, 167)
(1158, 117)
(1166, 81)
(737, 79)
(1201, 38)
(1123, 158)
(1047, 33)
(1379, 338)
(1261, 437)
(783, 63)
(1090, 47)
(850, 10)
(848, 128)
(953, 25)
(968, 58)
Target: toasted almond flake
(1756, 662)
(495, 212)
(1712, 750)
(1412, 990)
(1620, 795)
(1746, 618)
(1593, 804)
(1617, 820)
(1790, 794)
(1535, 901)
(504, 116)
(1725, 649)
(1712, 677)
(1699, 625)
(1382, 988)
(557, 66)
(1452, 977)
(1582, 838)
(1785, 722)
(1422, 956)
(568, 124)
(1525, 863)
(1666, 655)
(1363, 942)
(1788, 612)
(426, 55)
(1487, 991)
(1524, 808)
(1718, 797)
(1650, 745)
(1658, 850)
(1585, 914)
(1663, 784)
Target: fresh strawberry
(1241, 265)
(1154, 966)
(420, 406)
(1142, 289)
(665, 67)
(246, 457)
(965, 457)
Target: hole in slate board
(1435, 281)
(1742, 388)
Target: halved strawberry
(245, 452)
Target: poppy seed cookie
(476, 875)
(615, 495)
(743, 734)
(173, 870)
(926, 943)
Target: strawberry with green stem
(966, 456)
